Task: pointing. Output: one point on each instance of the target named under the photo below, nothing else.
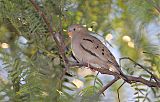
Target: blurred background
(30, 65)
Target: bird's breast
(77, 51)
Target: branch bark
(56, 35)
(108, 85)
(141, 66)
(131, 79)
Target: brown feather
(87, 48)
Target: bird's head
(76, 29)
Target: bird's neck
(77, 36)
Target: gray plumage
(88, 49)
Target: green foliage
(146, 11)
(32, 60)
(88, 94)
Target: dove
(86, 48)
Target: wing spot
(97, 47)
(88, 40)
(92, 53)
(102, 53)
(103, 49)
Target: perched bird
(88, 49)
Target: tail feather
(116, 68)
(121, 74)
(124, 77)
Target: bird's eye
(74, 29)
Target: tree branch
(155, 5)
(131, 79)
(56, 35)
(108, 85)
(141, 66)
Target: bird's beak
(70, 34)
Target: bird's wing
(101, 38)
(96, 48)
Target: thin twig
(108, 85)
(42, 15)
(119, 89)
(95, 82)
(60, 45)
(153, 76)
(155, 5)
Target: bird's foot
(92, 70)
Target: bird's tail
(124, 77)
(121, 74)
